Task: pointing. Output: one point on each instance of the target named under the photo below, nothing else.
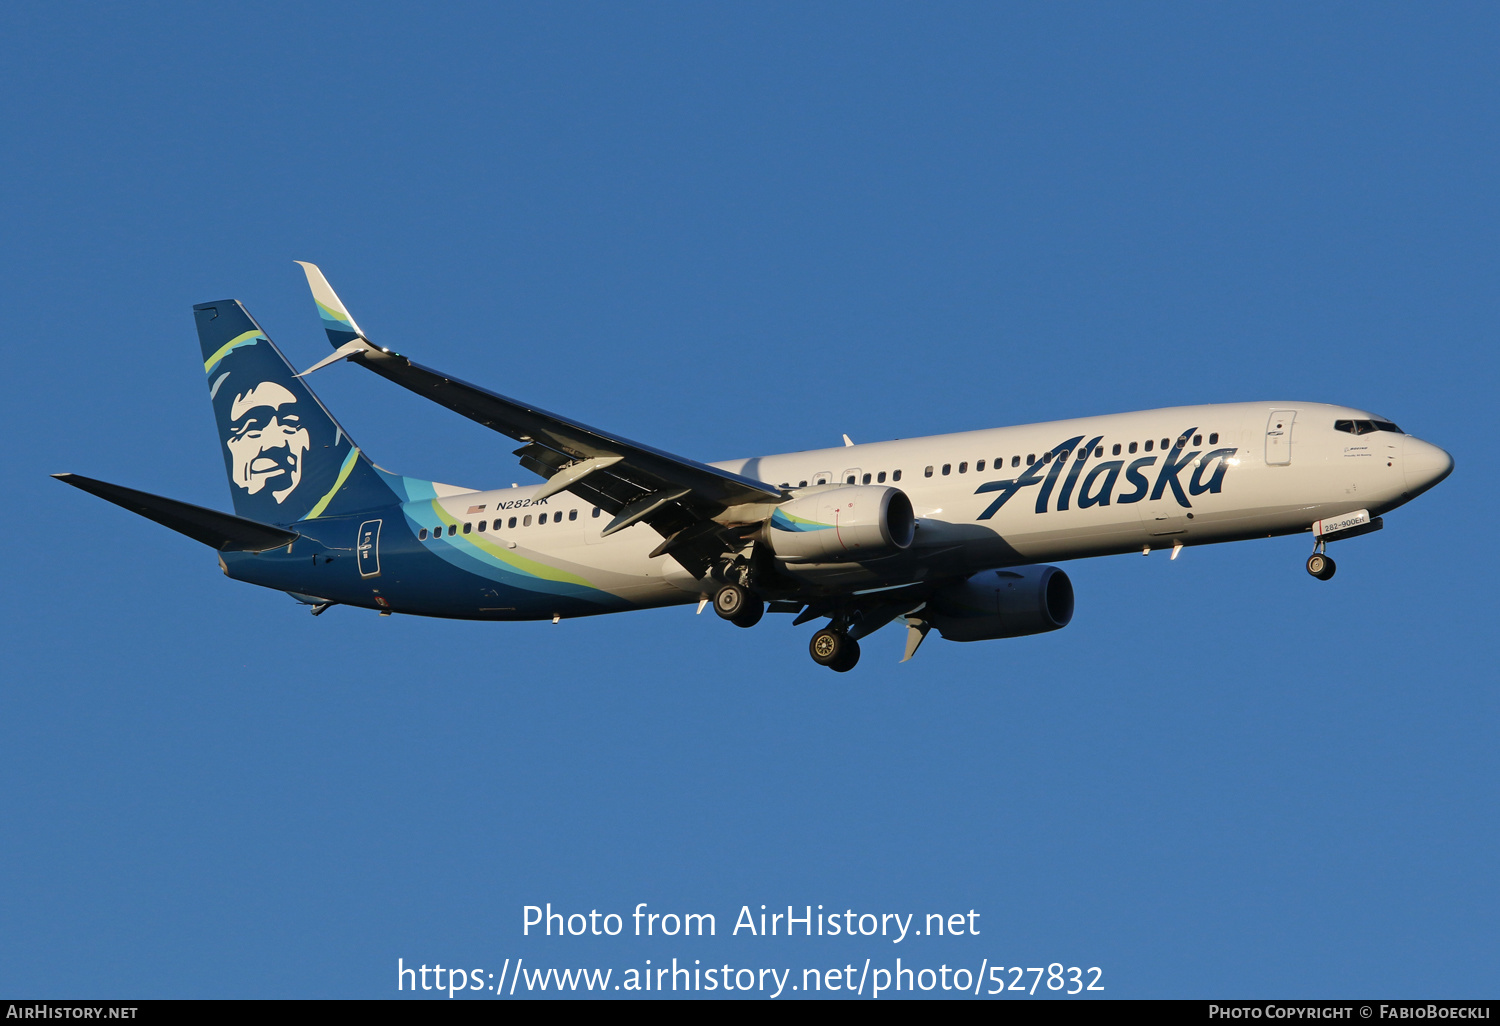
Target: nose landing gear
(834, 649)
(1320, 564)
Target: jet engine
(1002, 604)
(844, 523)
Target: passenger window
(896, 476)
(482, 525)
(927, 472)
(1149, 445)
(1132, 448)
(526, 520)
(963, 468)
(1099, 452)
(866, 479)
(1197, 439)
(849, 479)
(557, 517)
(512, 522)
(1030, 458)
(422, 534)
(800, 484)
(1015, 461)
(572, 514)
(1166, 443)
(979, 467)
(593, 514)
(468, 528)
(452, 530)
(1116, 450)
(880, 477)
(947, 469)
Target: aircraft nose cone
(1424, 465)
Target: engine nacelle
(1002, 604)
(846, 523)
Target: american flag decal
(479, 508)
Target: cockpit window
(1363, 427)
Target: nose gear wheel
(1321, 566)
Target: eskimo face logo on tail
(267, 440)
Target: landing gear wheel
(738, 606)
(834, 649)
(1321, 566)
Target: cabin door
(1279, 438)
(367, 548)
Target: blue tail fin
(286, 456)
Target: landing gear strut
(834, 649)
(1320, 564)
(738, 605)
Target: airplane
(953, 533)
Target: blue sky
(730, 230)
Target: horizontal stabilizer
(221, 531)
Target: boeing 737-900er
(949, 532)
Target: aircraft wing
(633, 482)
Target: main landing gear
(831, 647)
(834, 649)
(738, 605)
(1320, 564)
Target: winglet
(336, 320)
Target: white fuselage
(1242, 470)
